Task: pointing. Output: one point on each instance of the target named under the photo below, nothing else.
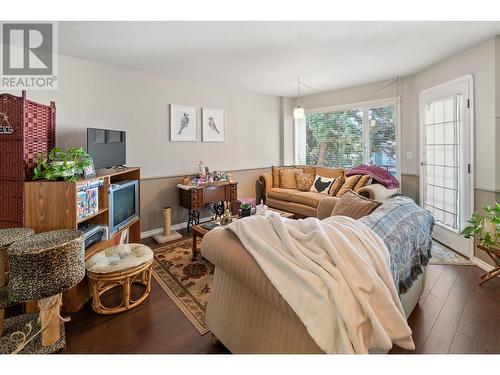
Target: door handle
(422, 163)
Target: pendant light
(298, 113)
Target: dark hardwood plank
(440, 339)
(426, 313)
(489, 336)
(463, 344)
(431, 278)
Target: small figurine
(227, 217)
(261, 209)
(200, 169)
(207, 171)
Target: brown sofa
(308, 203)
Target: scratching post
(50, 309)
(167, 221)
(167, 235)
(7, 238)
(41, 267)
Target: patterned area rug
(186, 282)
(442, 255)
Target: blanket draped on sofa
(406, 230)
(335, 275)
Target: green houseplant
(246, 209)
(485, 229)
(61, 164)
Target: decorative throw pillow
(363, 181)
(339, 181)
(304, 181)
(349, 184)
(354, 205)
(330, 172)
(276, 174)
(287, 178)
(309, 169)
(322, 184)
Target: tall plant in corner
(485, 229)
(60, 164)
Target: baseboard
(152, 232)
(482, 264)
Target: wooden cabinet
(52, 205)
(196, 197)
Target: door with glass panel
(445, 137)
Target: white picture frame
(213, 125)
(183, 123)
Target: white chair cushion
(119, 258)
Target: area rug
(443, 255)
(186, 282)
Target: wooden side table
(494, 254)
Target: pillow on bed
(354, 205)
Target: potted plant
(485, 229)
(246, 209)
(61, 164)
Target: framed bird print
(213, 125)
(183, 123)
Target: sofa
(248, 315)
(309, 203)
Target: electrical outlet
(409, 155)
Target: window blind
(346, 138)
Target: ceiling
(267, 57)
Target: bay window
(350, 135)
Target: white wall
(497, 112)
(480, 62)
(288, 131)
(92, 94)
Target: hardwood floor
(455, 315)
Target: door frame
(469, 79)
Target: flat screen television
(106, 147)
(123, 204)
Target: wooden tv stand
(52, 205)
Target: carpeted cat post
(42, 266)
(168, 235)
(7, 238)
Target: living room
(361, 151)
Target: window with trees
(348, 136)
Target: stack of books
(87, 198)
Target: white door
(446, 139)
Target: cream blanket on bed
(335, 275)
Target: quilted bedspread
(406, 230)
